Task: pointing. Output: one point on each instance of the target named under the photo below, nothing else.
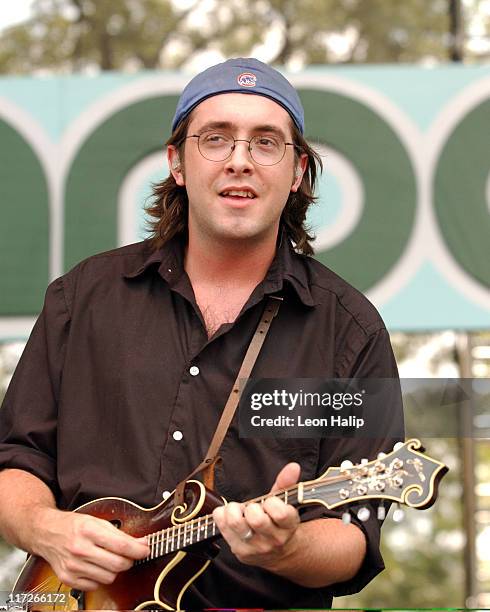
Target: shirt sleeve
(28, 417)
(375, 359)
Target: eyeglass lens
(266, 150)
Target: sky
(13, 11)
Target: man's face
(219, 209)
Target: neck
(201, 528)
(236, 261)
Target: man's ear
(300, 169)
(175, 165)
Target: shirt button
(177, 435)
(193, 370)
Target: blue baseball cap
(245, 75)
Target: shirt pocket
(249, 466)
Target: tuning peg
(364, 461)
(398, 514)
(398, 445)
(381, 513)
(363, 514)
(346, 465)
(381, 456)
(346, 518)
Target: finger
(272, 517)
(81, 584)
(282, 515)
(76, 571)
(118, 542)
(108, 560)
(288, 476)
(219, 516)
(231, 523)
(259, 521)
(234, 519)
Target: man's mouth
(236, 193)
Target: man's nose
(240, 158)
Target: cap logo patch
(247, 79)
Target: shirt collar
(170, 260)
(290, 268)
(287, 267)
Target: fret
(172, 543)
(286, 496)
(167, 543)
(178, 536)
(151, 546)
(206, 530)
(214, 528)
(198, 533)
(160, 542)
(192, 531)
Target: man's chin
(247, 234)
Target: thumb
(287, 477)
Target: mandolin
(181, 537)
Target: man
(124, 378)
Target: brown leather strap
(270, 311)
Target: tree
(76, 35)
(73, 35)
(347, 31)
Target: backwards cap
(240, 75)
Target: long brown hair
(169, 203)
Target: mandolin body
(181, 538)
(158, 583)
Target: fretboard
(197, 530)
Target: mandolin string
(41, 586)
(203, 524)
(199, 526)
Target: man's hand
(84, 551)
(314, 554)
(262, 534)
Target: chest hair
(219, 306)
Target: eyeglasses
(265, 150)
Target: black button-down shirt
(119, 391)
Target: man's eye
(265, 141)
(214, 139)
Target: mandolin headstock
(406, 475)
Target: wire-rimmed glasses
(264, 149)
